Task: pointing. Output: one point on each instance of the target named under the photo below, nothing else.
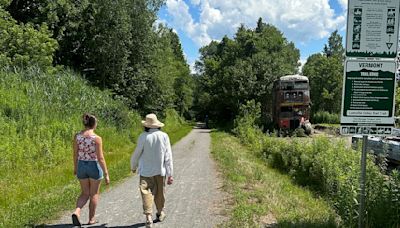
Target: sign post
(361, 209)
(369, 75)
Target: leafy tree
(334, 48)
(104, 53)
(23, 45)
(171, 85)
(63, 18)
(4, 3)
(325, 72)
(237, 70)
(326, 75)
(115, 45)
(184, 87)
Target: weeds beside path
(263, 196)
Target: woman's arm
(75, 155)
(100, 158)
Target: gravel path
(194, 200)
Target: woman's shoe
(93, 222)
(75, 220)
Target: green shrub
(246, 124)
(326, 117)
(23, 44)
(332, 169)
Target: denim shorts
(89, 169)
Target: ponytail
(89, 121)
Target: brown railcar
(291, 103)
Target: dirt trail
(194, 200)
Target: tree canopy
(325, 72)
(23, 44)
(234, 71)
(115, 44)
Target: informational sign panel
(372, 28)
(368, 97)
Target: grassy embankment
(39, 115)
(263, 195)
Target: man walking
(152, 159)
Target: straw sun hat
(152, 121)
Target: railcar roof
(293, 77)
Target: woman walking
(89, 167)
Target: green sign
(368, 96)
(372, 28)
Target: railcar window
(301, 85)
(286, 112)
(287, 85)
(286, 109)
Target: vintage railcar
(291, 103)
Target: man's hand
(170, 180)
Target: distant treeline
(116, 45)
(235, 71)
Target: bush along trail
(330, 169)
(263, 196)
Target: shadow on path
(51, 226)
(70, 226)
(137, 225)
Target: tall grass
(332, 169)
(39, 115)
(262, 196)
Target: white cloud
(182, 20)
(343, 4)
(300, 20)
(195, 2)
(302, 62)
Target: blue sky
(308, 23)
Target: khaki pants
(152, 189)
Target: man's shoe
(149, 221)
(161, 216)
(149, 224)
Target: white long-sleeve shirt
(153, 154)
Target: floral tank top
(86, 147)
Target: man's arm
(168, 161)
(137, 153)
